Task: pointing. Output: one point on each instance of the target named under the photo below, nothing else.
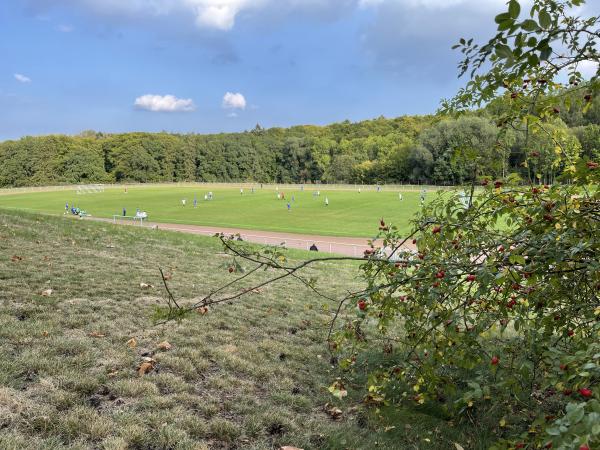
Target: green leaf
(530, 25)
(502, 17)
(514, 9)
(545, 19)
(504, 51)
(545, 53)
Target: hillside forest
(432, 149)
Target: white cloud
(64, 28)
(22, 78)
(164, 103)
(234, 101)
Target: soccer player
(124, 212)
(183, 202)
(67, 207)
(195, 201)
(326, 201)
(400, 196)
(289, 206)
(241, 191)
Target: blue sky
(224, 65)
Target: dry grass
(251, 375)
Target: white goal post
(90, 188)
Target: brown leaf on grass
(146, 285)
(132, 343)
(168, 276)
(45, 333)
(333, 411)
(16, 258)
(202, 310)
(165, 346)
(145, 368)
(96, 334)
(47, 292)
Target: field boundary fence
(233, 185)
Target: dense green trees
(409, 149)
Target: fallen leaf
(132, 343)
(333, 411)
(144, 368)
(165, 346)
(96, 334)
(46, 292)
(16, 258)
(146, 286)
(45, 333)
(458, 446)
(202, 310)
(168, 276)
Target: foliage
(498, 314)
(420, 149)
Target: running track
(348, 246)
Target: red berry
(414, 241)
(548, 445)
(570, 332)
(563, 367)
(498, 184)
(436, 229)
(587, 393)
(436, 284)
(519, 445)
(495, 360)
(584, 447)
(471, 277)
(592, 165)
(567, 392)
(362, 305)
(230, 269)
(441, 274)
(485, 182)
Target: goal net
(90, 188)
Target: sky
(207, 66)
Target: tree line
(409, 149)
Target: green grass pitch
(349, 212)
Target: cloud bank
(164, 103)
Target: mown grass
(348, 214)
(250, 375)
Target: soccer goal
(90, 188)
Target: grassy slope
(348, 214)
(247, 375)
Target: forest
(432, 149)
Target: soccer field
(349, 213)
